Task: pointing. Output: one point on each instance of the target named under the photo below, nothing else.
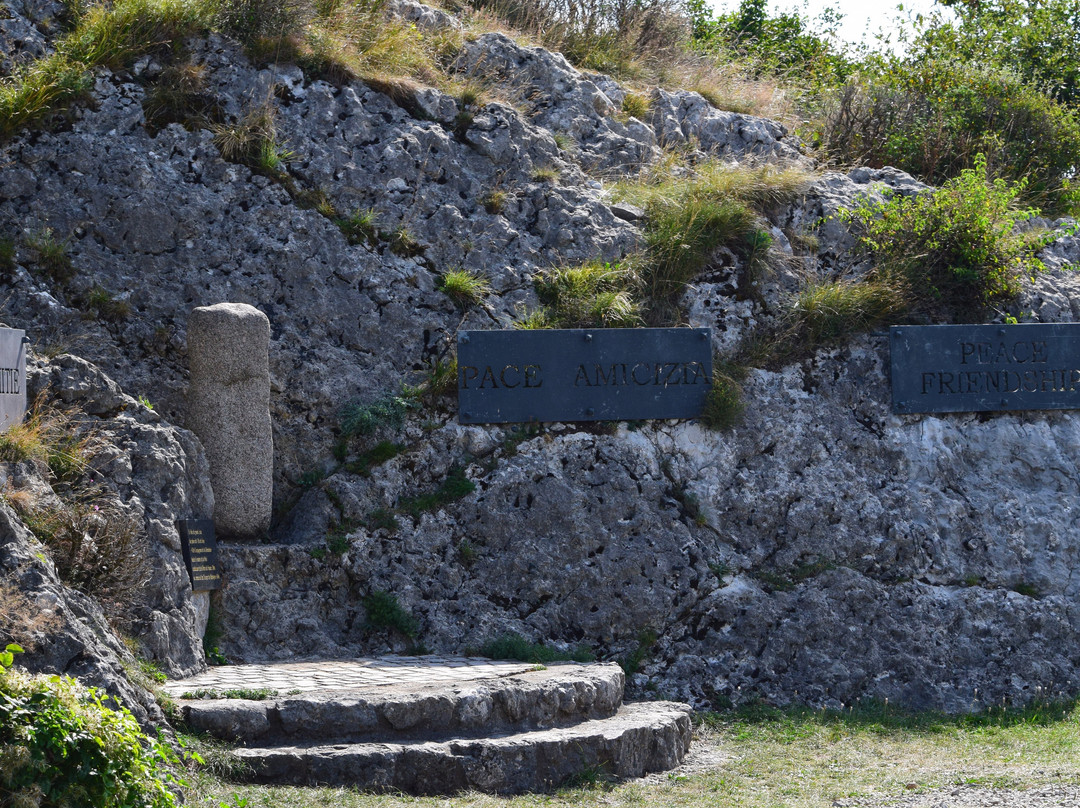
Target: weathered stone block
(228, 407)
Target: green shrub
(62, 746)
(934, 116)
(957, 248)
(513, 646)
(384, 611)
(636, 105)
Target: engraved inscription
(582, 375)
(956, 368)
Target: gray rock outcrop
(229, 409)
(823, 550)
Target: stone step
(638, 739)
(558, 695)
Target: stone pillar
(228, 407)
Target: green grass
(464, 287)
(760, 757)
(359, 227)
(113, 36)
(596, 295)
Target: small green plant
(359, 227)
(636, 105)
(337, 540)
(145, 402)
(720, 569)
(377, 455)
(51, 255)
(495, 201)
(7, 257)
(318, 553)
(786, 580)
(384, 612)
(724, 403)
(253, 140)
(403, 243)
(548, 174)
(957, 248)
(454, 487)
(440, 380)
(631, 663)
(466, 553)
(464, 287)
(1027, 590)
(595, 295)
(364, 419)
(99, 303)
(564, 140)
(513, 646)
(382, 519)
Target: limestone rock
(158, 475)
(229, 409)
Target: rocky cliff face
(823, 550)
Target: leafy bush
(934, 116)
(957, 248)
(62, 746)
(787, 44)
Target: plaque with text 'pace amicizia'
(616, 374)
(985, 368)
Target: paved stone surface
(346, 674)
(559, 695)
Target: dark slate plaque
(985, 368)
(12, 377)
(583, 375)
(199, 544)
